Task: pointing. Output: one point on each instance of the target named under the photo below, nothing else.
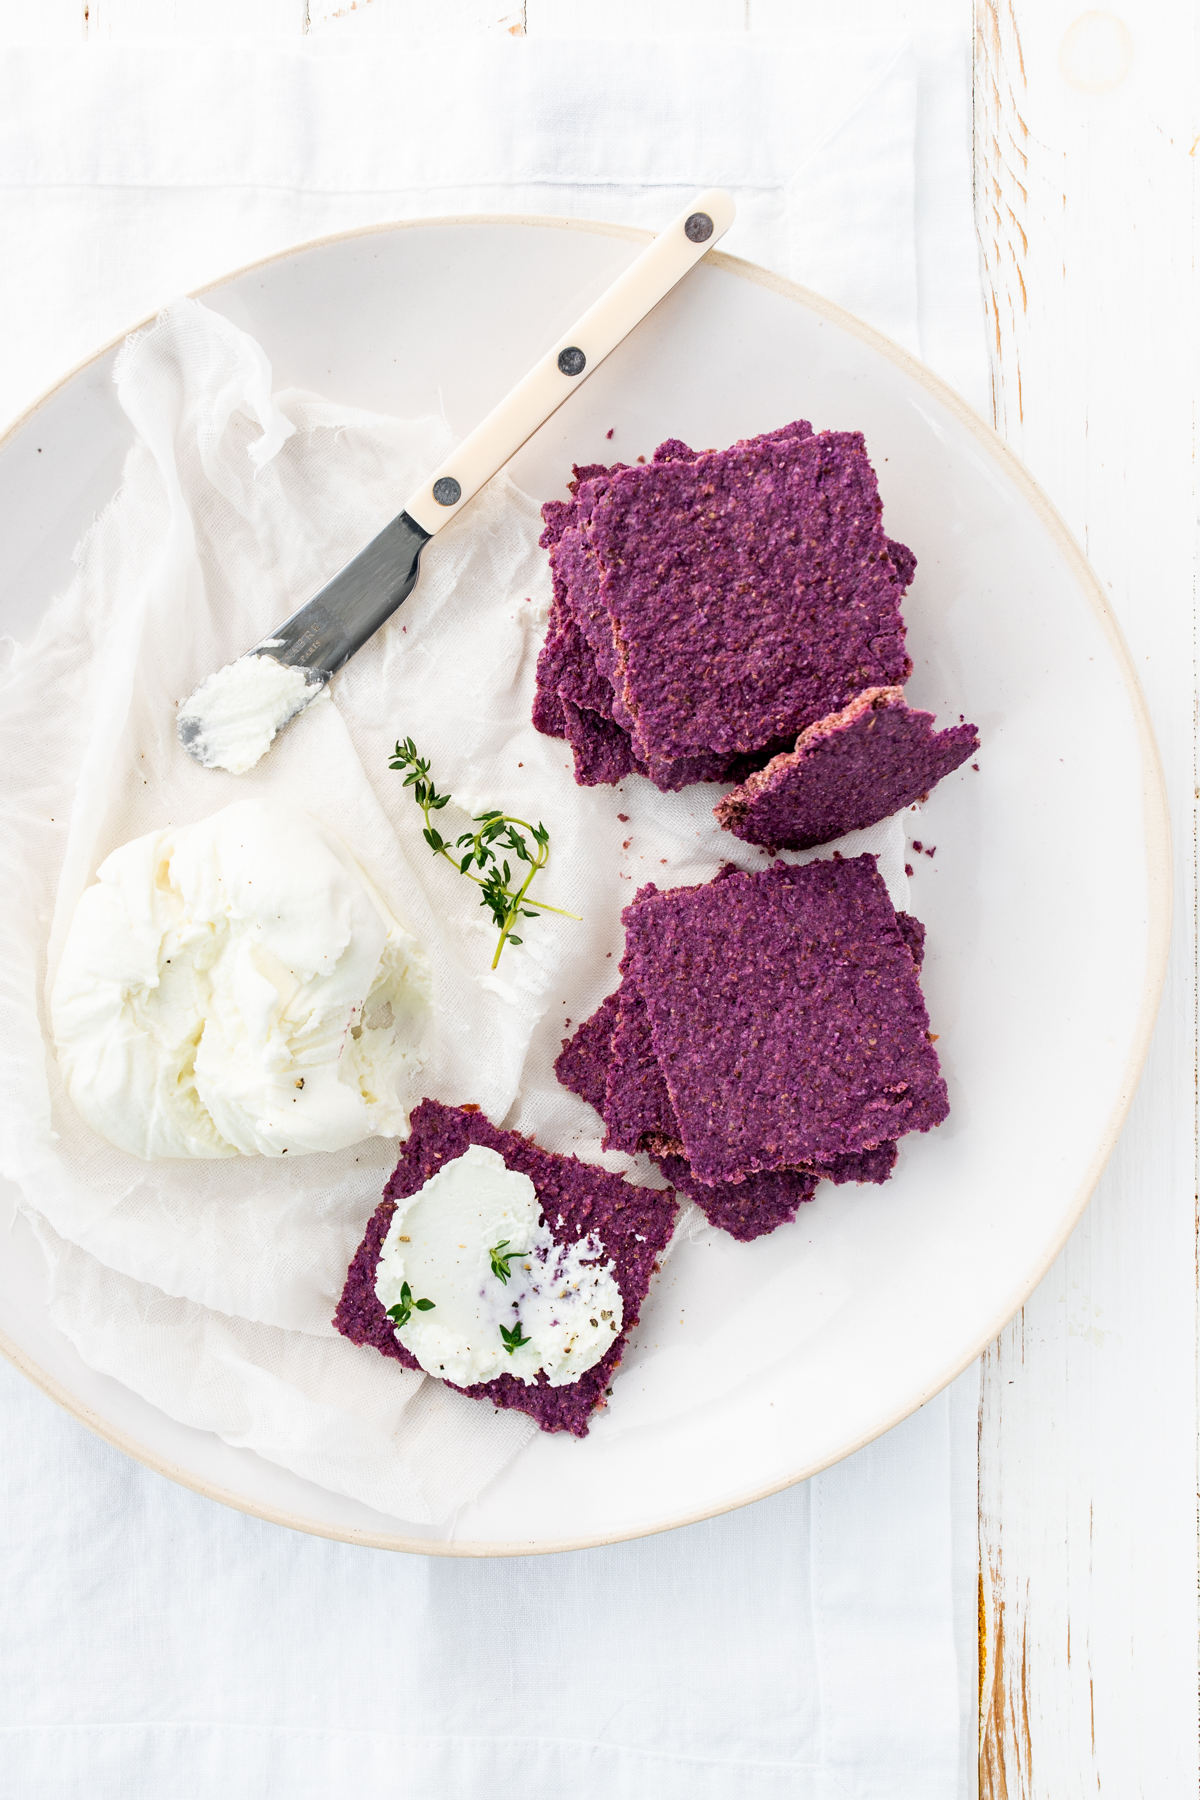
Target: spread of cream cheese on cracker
(484, 1289)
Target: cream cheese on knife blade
(232, 719)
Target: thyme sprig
(501, 1256)
(498, 832)
(513, 1339)
(404, 1311)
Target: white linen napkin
(800, 1649)
(130, 177)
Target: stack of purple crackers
(769, 1031)
(633, 1223)
(710, 607)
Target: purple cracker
(637, 1107)
(603, 752)
(633, 1223)
(639, 1114)
(748, 1209)
(848, 771)
(553, 659)
(576, 569)
(874, 1165)
(582, 1065)
(565, 657)
(740, 596)
(904, 560)
(671, 773)
(578, 672)
(577, 576)
(580, 656)
(913, 933)
(579, 680)
(573, 699)
(786, 1016)
(610, 1063)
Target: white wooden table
(1087, 144)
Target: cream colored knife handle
(572, 359)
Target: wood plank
(1086, 195)
(46, 22)
(635, 18)
(695, 18)
(159, 21)
(856, 15)
(352, 19)
(118, 21)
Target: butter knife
(322, 636)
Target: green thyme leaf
(501, 1256)
(403, 1312)
(513, 1339)
(500, 894)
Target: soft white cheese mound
(563, 1296)
(232, 718)
(238, 986)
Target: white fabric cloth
(210, 1286)
(804, 1649)
(834, 1670)
(131, 176)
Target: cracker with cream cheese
(633, 1224)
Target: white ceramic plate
(1047, 903)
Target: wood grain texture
(1085, 198)
(49, 22)
(353, 19)
(128, 21)
(161, 21)
(637, 18)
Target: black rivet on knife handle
(698, 228)
(572, 361)
(446, 491)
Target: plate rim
(1160, 902)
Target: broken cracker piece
(874, 757)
